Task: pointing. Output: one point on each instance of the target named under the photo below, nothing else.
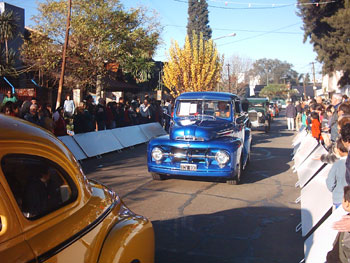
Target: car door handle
(3, 225)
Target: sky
(264, 28)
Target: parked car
(208, 137)
(259, 113)
(49, 210)
(283, 104)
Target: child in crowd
(341, 246)
(336, 176)
(305, 119)
(315, 126)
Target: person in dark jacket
(101, 115)
(32, 115)
(82, 120)
(291, 113)
(336, 101)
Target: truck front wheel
(158, 177)
(235, 180)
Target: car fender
(130, 240)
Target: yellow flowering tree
(195, 67)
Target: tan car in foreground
(50, 212)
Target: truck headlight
(222, 157)
(260, 114)
(157, 154)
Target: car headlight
(157, 154)
(260, 114)
(222, 157)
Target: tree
(193, 67)
(306, 81)
(273, 71)
(239, 68)
(198, 19)
(7, 63)
(102, 33)
(8, 29)
(327, 26)
(274, 91)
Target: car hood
(198, 130)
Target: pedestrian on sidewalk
(290, 115)
(299, 110)
(68, 107)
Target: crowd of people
(329, 123)
(88, 116)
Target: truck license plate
(188, 167)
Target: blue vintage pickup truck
(209, 137)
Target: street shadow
(266, 162)
(119, 158)
(278, 129)
(249, 234)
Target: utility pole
(229, 79)
(304, 84)
(60, 85)
(314, 78)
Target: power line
(272, 4)
(235, 8)
(259, 35)
(243, 30)
(260, 6)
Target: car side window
(237, 107)
(39, 185)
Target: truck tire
(157, 177)
(236, 179)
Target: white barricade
(84, 145)
(307, 146)
(152, 130)
(73, 147)
(321, 241)
(316, 200)
(310, 166)
(97, 143)
(130, 136)
(298, 138)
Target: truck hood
(199, 130)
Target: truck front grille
(253, 116)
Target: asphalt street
(211, 221)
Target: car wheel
(158, 177)
(235, 180)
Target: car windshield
(256, 104)
(210, 109)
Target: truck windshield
(210, 109)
